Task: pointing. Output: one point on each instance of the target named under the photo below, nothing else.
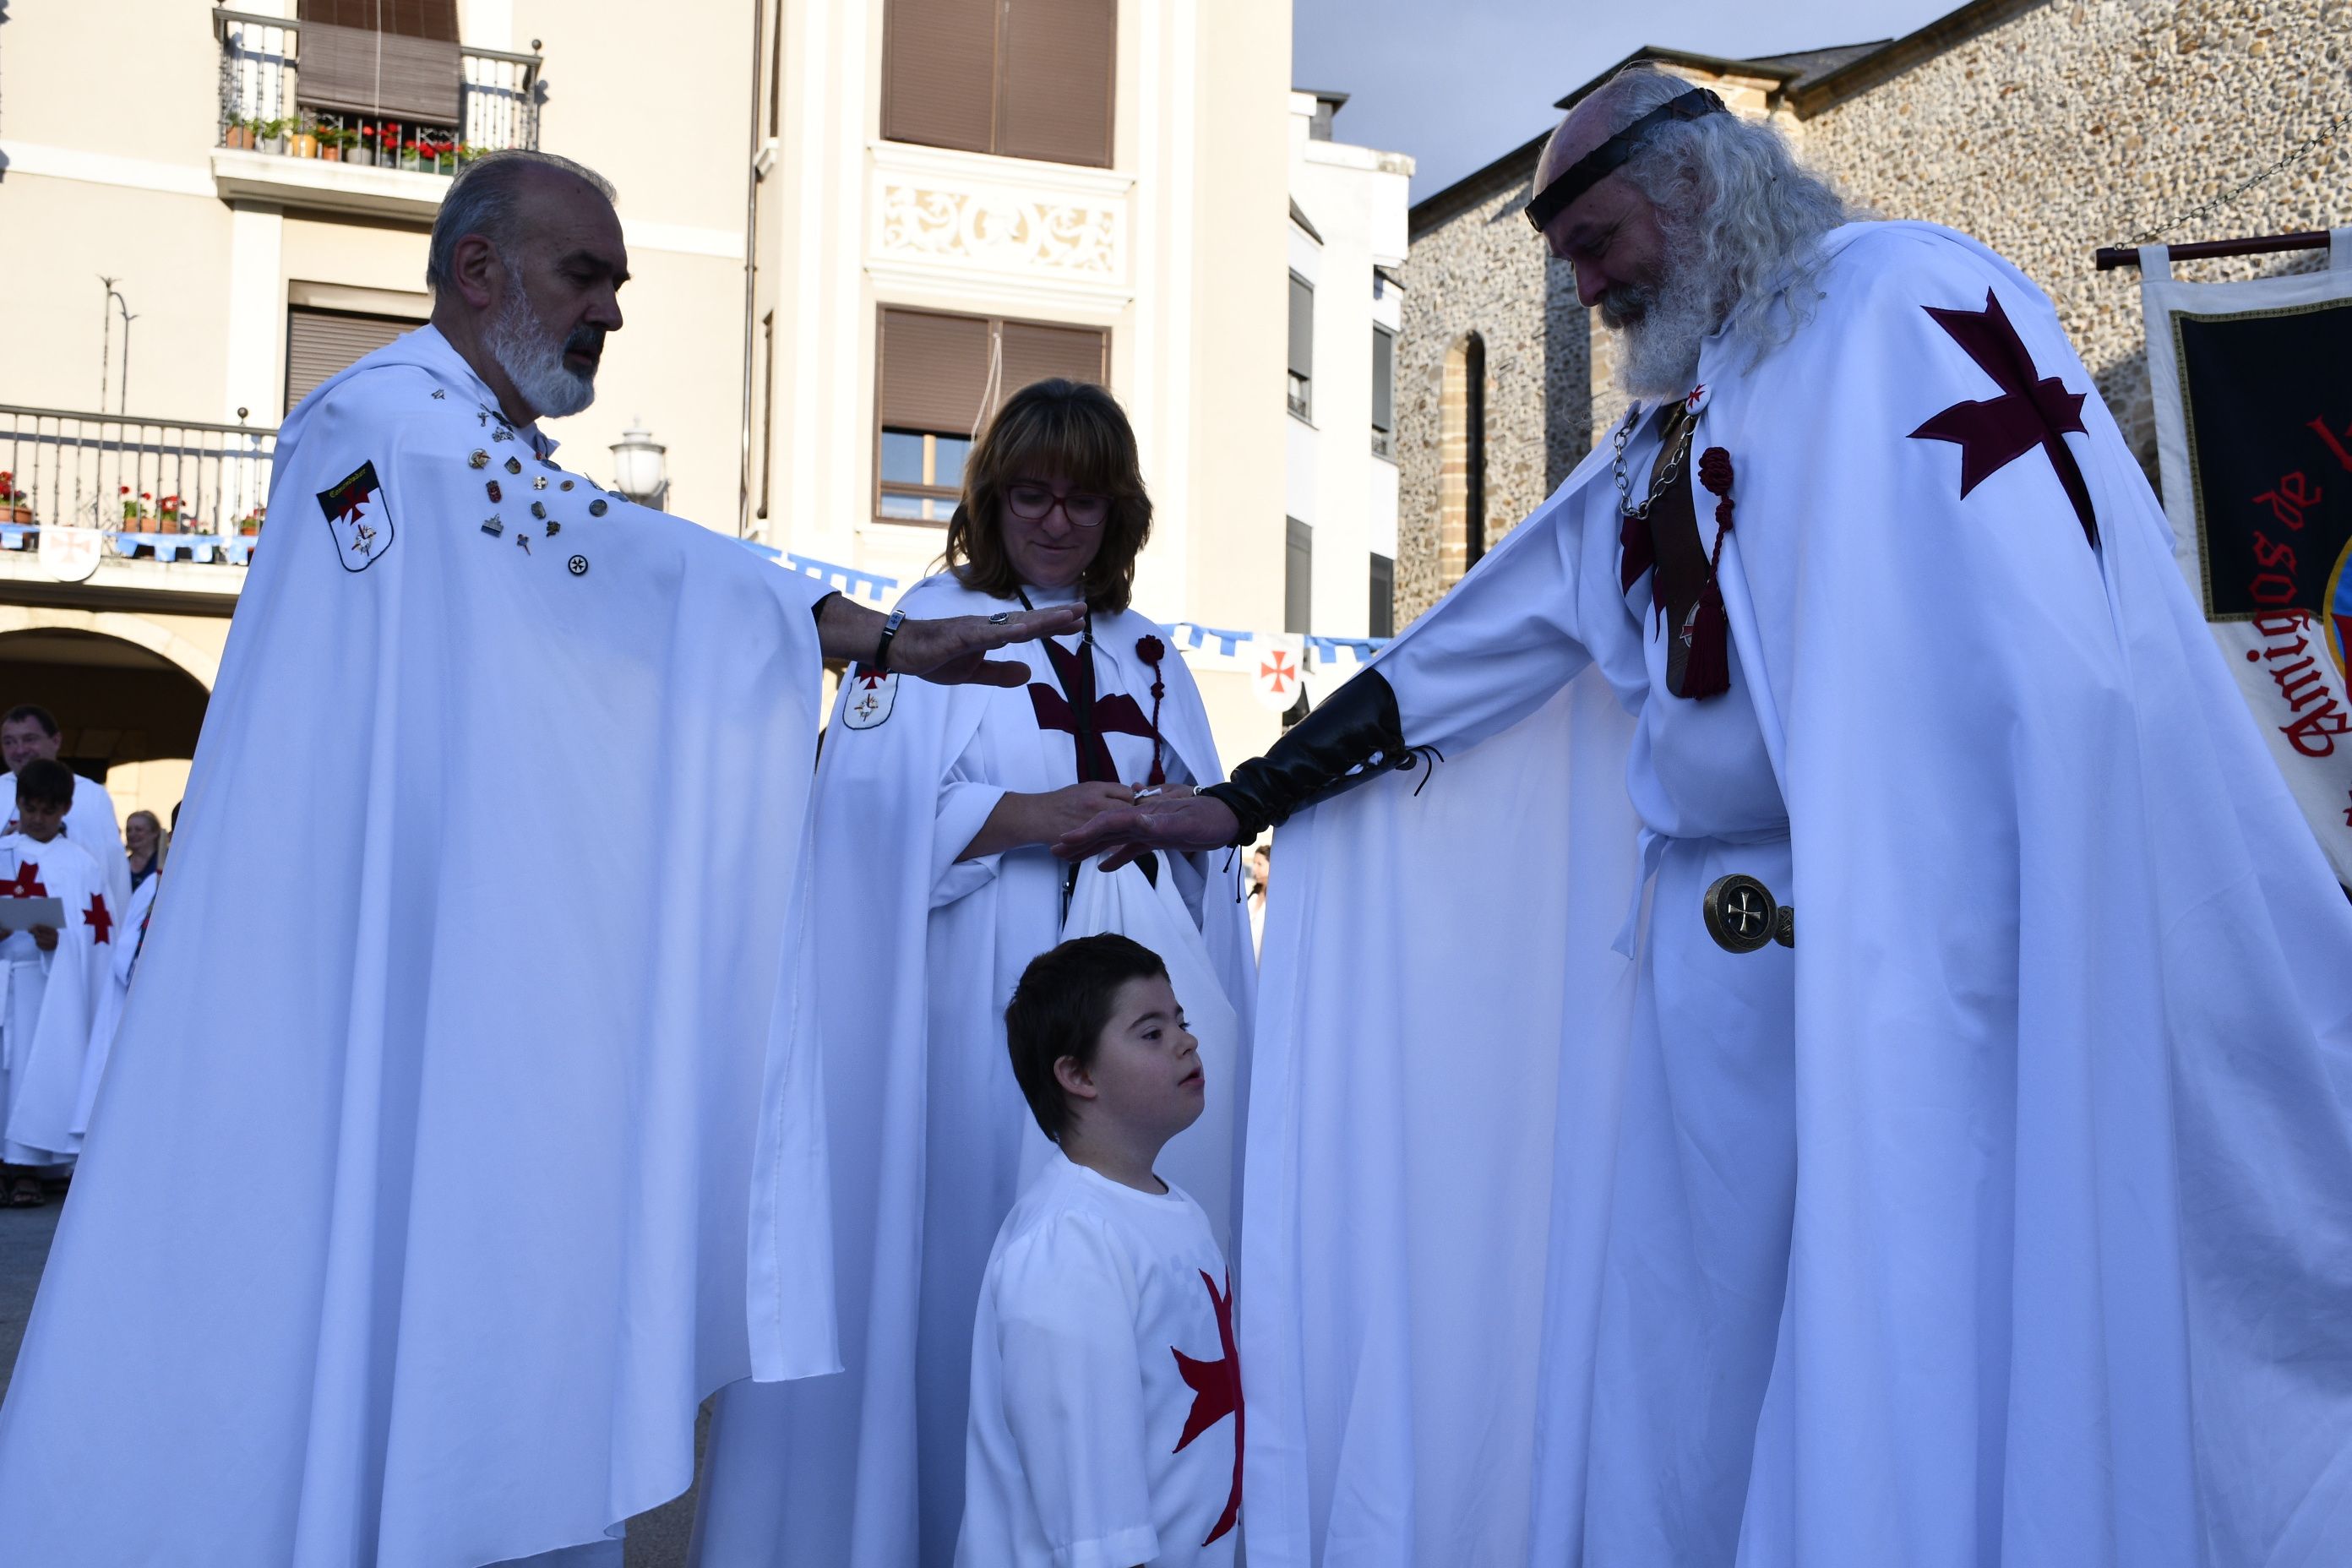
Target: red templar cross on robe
(27, 884)
(1216, 1388)
(2032, 410)
(1116, 714)
(95, 917)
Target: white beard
(534, 359)
(1661, 329)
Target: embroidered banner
(2253, 419)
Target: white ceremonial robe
(1918, 1243)
(90, 823)
(930, 1137)
(52, 999)
(130, 939)
(495, 1112)
(1105, 1424)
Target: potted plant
(134, 509)
(361, 148)
(15, 506)
(237, 134)
(411, 156)
(167, 516)
(249, 525)
(302, 141)
(332, 140)
(269, 135)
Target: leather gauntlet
(1354, 735)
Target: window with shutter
(1383, 392)
(397, 59)
(1302, 347)
(934, 388)
(321, 342)
(1022, 79)
(1383, 619)
(1297, 576)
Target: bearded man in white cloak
(495, 1233)
(1996, 1213)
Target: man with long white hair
(526, 1164)
(1822, 1040)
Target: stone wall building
(2046, 128)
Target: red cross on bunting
(1279, 670)
(98, 920)
(2032, 410)
(1216, 1388)
(27, 884)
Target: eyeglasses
(1032, 502)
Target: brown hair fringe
(1069, 429)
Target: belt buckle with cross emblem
(1743, 916)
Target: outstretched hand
(952, 651)
(1184, 822)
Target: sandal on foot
(24, 1192)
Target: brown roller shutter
(934, 371)
(358, 71)
(409, 18)
(1034, 351)
(1054, 96)
(321, 342)
(938, 72)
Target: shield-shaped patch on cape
(872, 694)
(359, 518)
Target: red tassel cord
(1707, 670)
(1152, 650)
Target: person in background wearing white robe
(1105, 1390)
(29, 731)
(1995, 1209)
(496, 1234)
(52, 983)
(932, 813)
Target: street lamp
(637, 466)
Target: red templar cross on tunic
(2032, 410)
(1216, 1388)
(27, 883)
(1116, 714)
(95, 917)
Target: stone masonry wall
(1485, 271)
(2070, 125)
(2079, 123)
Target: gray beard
(1660, 329)
(534, 358)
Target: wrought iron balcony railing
(491, 105)
(166, 491)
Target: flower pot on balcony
(239, 135)
(274, 144)
(302, 144)
(359, 153)
(16, 513)
(411, 163)
(329, 153)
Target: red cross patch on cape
(358, 518)
(2032, 410)
(1216, 1388)
(871, 696)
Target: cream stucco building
(1089, 187)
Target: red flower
(146, 495)
(126, 490)
(1150, 650)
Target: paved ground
(657, 1540)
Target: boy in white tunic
(1106, 1393)
(49, 987)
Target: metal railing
(260, 73)
(165, 491)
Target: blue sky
(1458, 83)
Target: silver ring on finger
(1002, 618)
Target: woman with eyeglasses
(925, 934)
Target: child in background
(1105, 1424)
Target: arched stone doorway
(129, 698)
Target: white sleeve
(1073, 1390)
(964, 804)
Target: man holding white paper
(53, 962)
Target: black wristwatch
(882, 649)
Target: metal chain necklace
(1668, 466)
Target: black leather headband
(1606, 159)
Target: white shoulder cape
(491, 1066)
